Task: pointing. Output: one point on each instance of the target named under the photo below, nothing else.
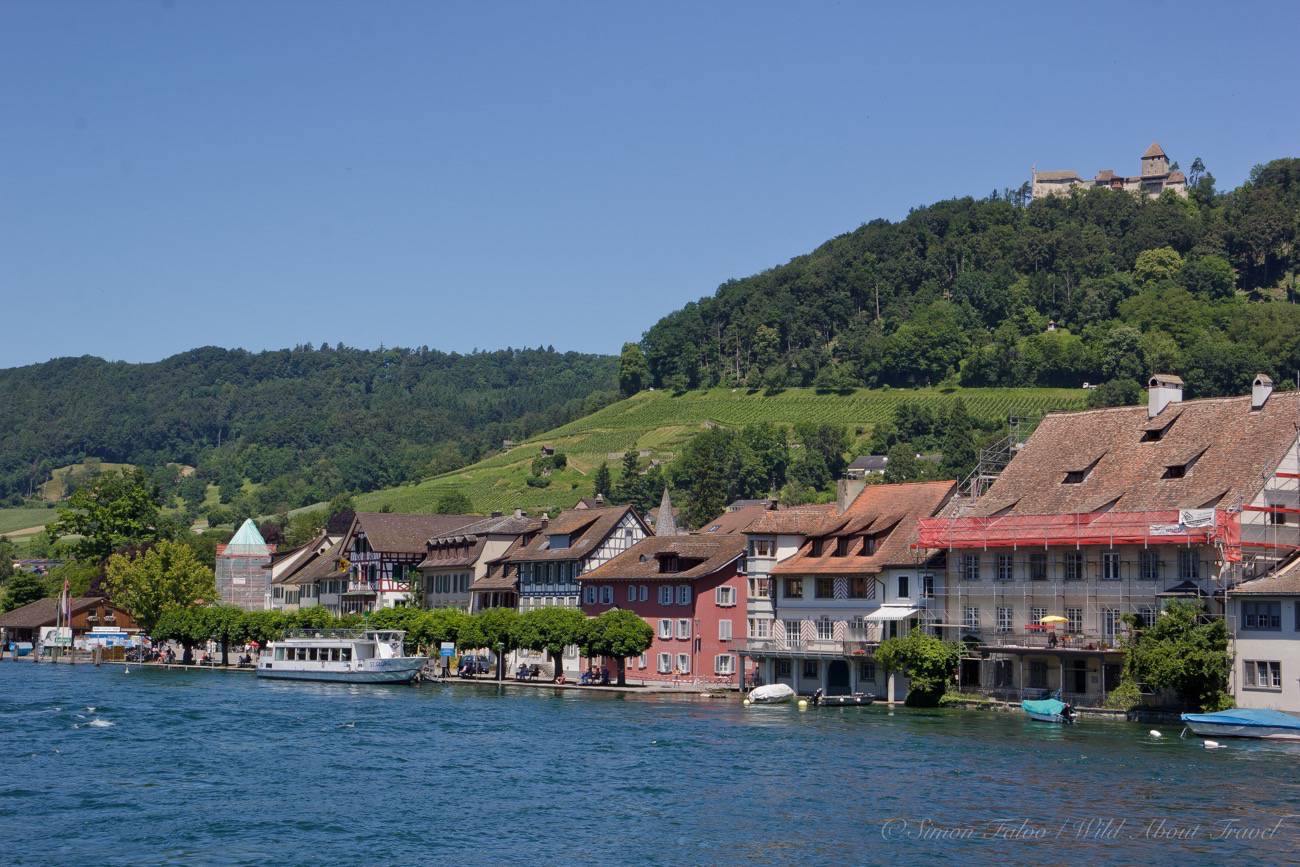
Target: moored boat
(340, 656)
(857, 699)
(1050, 710)
(1245, 722)
(772, 693)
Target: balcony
(1041, 640)
(813, 647)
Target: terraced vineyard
(657, 423)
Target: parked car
(471, 665)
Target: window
(1075, 618)
(725, 596)
(670, 563)
(684, 594)
(1180, 471)
(347, 654)
(1005, 567)
(1110, 622)
(665, 628)
(724, 664)
(793, 631)
(842, 546)
(1037, 565)
(825, 588)
(683, 628)
(810, 671)
(1189, 564)
(1262, 674)
(645, 592)
(664, 663)
(783, 668)
(607, 594)
(1036, 615)
(1149, 564)
(1261, 616)
(927, 586)
(631, 593)
(760, 627)
(903, 589)
(867, 670)
(868, 546)
(793, 588)
(1073, 566)
(665, 595)
(1110, 566)
(1005, 619)
(816, 548)
(1038, 674)
(641, 661)
(683, 663)
(825, 629)
(1277, 517)
(724, 630)
(970, 618)
(760, 588)
(589, 595)
(862, 587)
(1147, 614)
(970, 567)
(760, 547)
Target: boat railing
(327, 633)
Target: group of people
(592, 677)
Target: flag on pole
(65, 603)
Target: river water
(212, 767)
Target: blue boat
(1245, 722)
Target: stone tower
(665, 523)
(1154, 161)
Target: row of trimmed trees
(616, 634)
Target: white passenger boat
(341, 656)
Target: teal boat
(1051, 710)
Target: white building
(454, 561)
(1265, 619)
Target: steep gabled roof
(1235, 448)
(795, 520)
(405, 534)
(641, 562)
(1154, 151)
(889, 513)
(322, 566)
(586, 529)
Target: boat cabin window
(347, 654)
(334, 654)
(302, 654)
(311, 654)
(279, 654)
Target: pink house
(691, 590)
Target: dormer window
(842, 546)
(868, 546)
(1076, 477)
(816, 548)
(558, 541)
(669, 563)
(1180, 470)
(1156, 431)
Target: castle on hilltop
(1154, 180)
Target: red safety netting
(1165, 527)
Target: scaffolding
(243, 569)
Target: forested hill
(1101, 286)
(302, 424)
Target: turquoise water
(207, 767)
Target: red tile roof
(796, 520)
(586, 529)
(702, 556)
(1238, 449)
(888, 513)
(406, 534)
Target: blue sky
(477, 175)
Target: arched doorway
(837, 678)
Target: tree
(628, 488)
(22, 589)
(928, 663)
(633, 371)
(8, 553)
(1184, 651)
(187, 626)
(831, 441)
(901, 464)
(227, 624)
(551, 630)
(495, 629)
(117, 511)
(165, 577)
(601, 484)
(1157, 266)
(712, 471)
(1209, 277)
(453, 503)
(618, 634)
(959, 452)
(1117, 392)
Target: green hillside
(658, 422)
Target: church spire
(665, 524)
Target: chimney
(848, 490)
(600, 498)
(1162, 390)
(1260, 390)
(519, 513)
(496, 514)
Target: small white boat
(772, 693)
(1245, 722)
(340, 656)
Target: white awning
(892, 612)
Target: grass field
(657, 423)
(23, 518)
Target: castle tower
(1154, 161)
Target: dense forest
(1101, 286)
(301, 424)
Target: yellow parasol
(1054, 618)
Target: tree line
(1100, 286)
